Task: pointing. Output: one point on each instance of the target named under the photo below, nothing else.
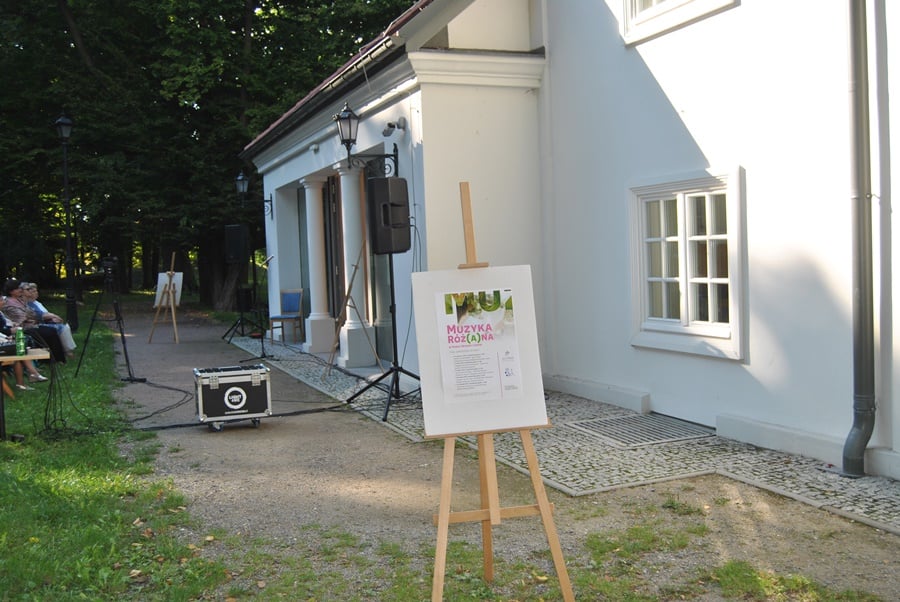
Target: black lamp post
(64, 129)
(375, 165)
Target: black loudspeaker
(388, 208)
(236, 251)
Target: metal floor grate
(642, 429)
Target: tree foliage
(163, 96)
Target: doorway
(334, 245)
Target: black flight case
(232, 393)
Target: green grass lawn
(80, 521)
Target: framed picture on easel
(478, 350)
(168, 297)
(481, 374)
(167, 289)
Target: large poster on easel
(478, 350)
(162, 286)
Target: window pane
(671, 259)
(719, 258)
(671, 217)
(699, 252)
(719, 217)
(673, 301)
(721, 298)
(654, 259)
(653, 229)
(680, 238)
(700, 302)
(656, 300)
(698, 215)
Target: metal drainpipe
(863, 324)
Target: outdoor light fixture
(348, 125)
(64, 129)
(241, 183)
(374, 165)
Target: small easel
(490, 513)
(167, 300)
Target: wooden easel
(167, 300)
(465, 199)
(490, 513)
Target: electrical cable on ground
(58, 394)
(278, 415)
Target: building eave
(373, 57)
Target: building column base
(356, 347)
(319, 334)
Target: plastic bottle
(20, 342)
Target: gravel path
(318, 463)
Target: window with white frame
(645, 19)
(687, 273)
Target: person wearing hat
(18, 313)
(47, 318)
(18, 368)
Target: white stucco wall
(459, 128)
(746, 87)
(887, 102)
(494, 25)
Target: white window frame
(723, 340)
(667, 15)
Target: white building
(681, 175)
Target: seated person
(18, 368)
(47, 318)
(19, 314)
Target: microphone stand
(262, 335)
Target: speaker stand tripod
(110, 287)
(396, 369)
(238, 324)
(242, 302)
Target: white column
(356, 338)
(319, 325)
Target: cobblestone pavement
(593, 446)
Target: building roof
(373, 56)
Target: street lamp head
(348, 123)
(64, 127)
(240, 183)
